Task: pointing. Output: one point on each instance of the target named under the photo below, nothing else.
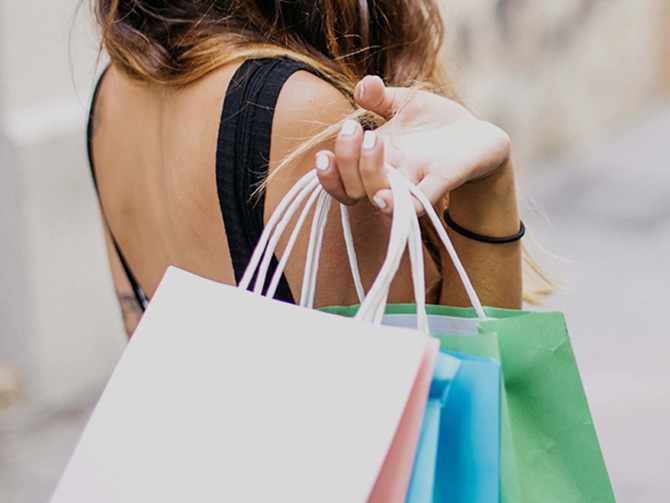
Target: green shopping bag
(555, 444)
(549, 447)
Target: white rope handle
(378, 305)
(307, 184)
(403, 210)
(314, 250)
(446, 241)
(405, 232)
(351, 253)
(279, 231)
(415, 246)
(276, 278)
(268, 241)
(400, 230)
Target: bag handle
(270, 237)
(404, 232)
(378, 305)
(314, 249)
(372, 309)
(268, 240)
(316, 195)
(401, 229)
(307, 186)
(351, 252)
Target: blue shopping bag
(458, 458)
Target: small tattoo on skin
(129, 301)
(131, 311)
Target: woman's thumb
(373, 95)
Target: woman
(212, 109)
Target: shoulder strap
(243, 153)
(137, 289)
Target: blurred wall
(558, 73)
(59, 331)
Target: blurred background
(581, 86)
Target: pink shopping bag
(223, 395)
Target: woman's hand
(433, 141)
(442, 148)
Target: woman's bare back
(154, 152)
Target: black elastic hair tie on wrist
(484, 239)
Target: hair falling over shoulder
(174, 42)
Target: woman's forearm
(488, 207)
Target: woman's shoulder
(306, 106)
(308, 101)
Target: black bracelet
(478, 237)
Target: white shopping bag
(226, 396)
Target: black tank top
(242, 155)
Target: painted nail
(381, 204)
(322, 161)
(369, 140)
(361, 89)
(349, 127)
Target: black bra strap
(243, 154)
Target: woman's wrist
(487, 205)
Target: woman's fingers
(356, 168)
(372, 171)
(373, 95)
(329, 177)
(347, 155)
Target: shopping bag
(458, 456)
(549, 450)
(223, 395)
(548, 443)
(455, 328)
(422, 485)
(549, 446)
(468, 463)
(555, 443)
(395, 475)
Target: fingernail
(369, 140)
(381, 204)
(349, 127)
(361, 89)
(322, 161)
